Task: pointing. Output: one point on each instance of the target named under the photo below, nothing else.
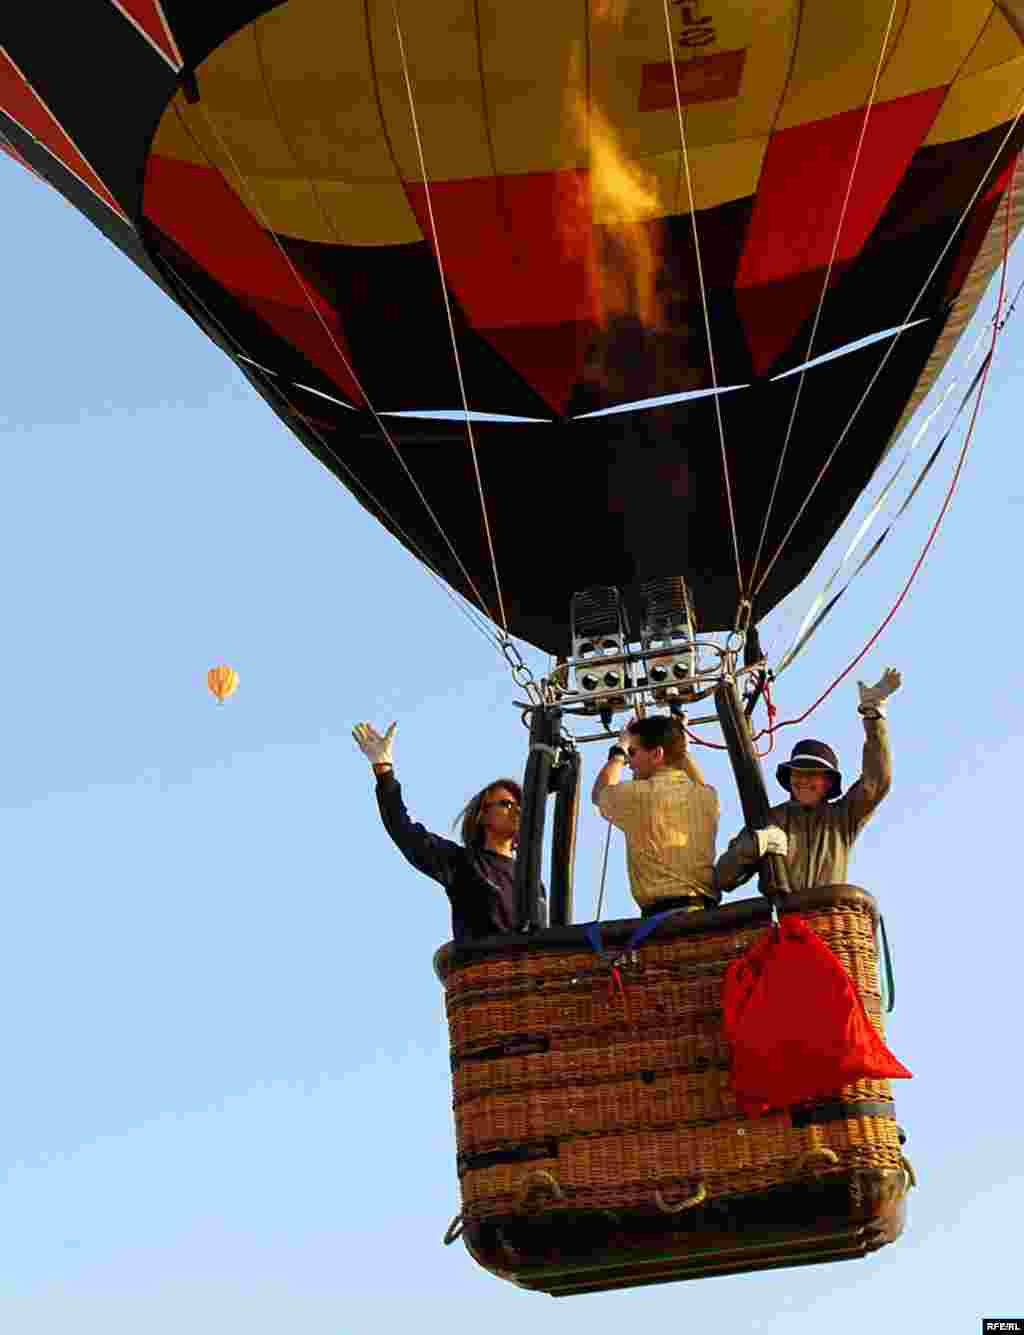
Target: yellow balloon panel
(929, 45)
(753, 108)
(442, 60)
(294, 99)
(310, 102)
(222, 681)
(975, 104)
(721, 173)
(729, 87)
(534, 70)
(836, 57)
(997, 45)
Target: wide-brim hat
(810, 754)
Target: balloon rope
(448, 313)
(820, 609)
(772, 725)
(704, 301)
(889, 351)
(254, 204)
(824, 289)
(479, 623)
(475, 619)
(996, 329)
(604, 872)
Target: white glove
(873, 698)
(375, 748)
(771, 840)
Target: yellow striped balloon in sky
(222, 681)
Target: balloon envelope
(842, 174)
(222, 681)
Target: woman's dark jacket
(480, 884)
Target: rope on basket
(699, 1195)
(808, 1157)
(507, 1250)
(539, 1178)
(454, 1230)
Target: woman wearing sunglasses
(478, 874)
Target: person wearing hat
(816, 829)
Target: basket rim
(743, 913)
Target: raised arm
(429, 853)
(611, 773)
(876, 769)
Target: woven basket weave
(571, 1093)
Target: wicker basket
(580, 1091)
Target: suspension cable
(329, 220)
(824, 290)
(811, 622)
(701, 741)
(819, 609)
(997, 326)
(475, 619)
(889, 351)
(771, 728)
(257, 209)
(704, 302)
(604, 872)
(720, 746)
(448, 312)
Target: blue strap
(648, 925)
(592, 931)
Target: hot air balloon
(609, 312)
(222, 682)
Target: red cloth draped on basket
(797, 1028)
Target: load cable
(704, 301)
(604, 873)
(481, 623)
(904, 324)
(503, 642)
(448, 313)
(815, 618)
(257, 210)
(466, 608)
(997, 325)
(824, 290)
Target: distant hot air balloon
(222, 681)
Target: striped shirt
(670, 823)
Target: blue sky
(226, 1096)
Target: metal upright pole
(773, 878)
(566, 780)
(545, 722)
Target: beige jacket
(820, 838)
(670, 822)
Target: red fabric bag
(797, 1028)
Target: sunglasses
(506, 804)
